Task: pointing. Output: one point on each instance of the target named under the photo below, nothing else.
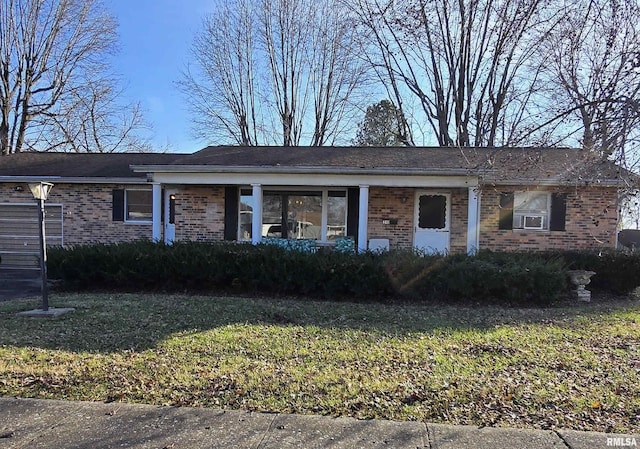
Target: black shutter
(118, 205)
(558, 212)
(353, 212)
(231, 213)
(506, 211)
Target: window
(531, 210)
(246, 214)
(133, 206)
(336, 215)
(292, 215)
(138, 205)
(432, 212)
(318, 215)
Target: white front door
(169, 216)
(432, 222)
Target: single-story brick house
(438, 199)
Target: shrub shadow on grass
(108, 323)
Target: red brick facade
(87, 211)
(200, 213)
(591, 221)
(393, 203)
(591, 216)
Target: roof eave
(279, 169)
(74, 179)
(555, 182)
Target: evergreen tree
(383, 126)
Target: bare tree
(52, 53)
(594, 73)
(271, 72)
(467, 62)
(223, 87)
(91, 118)
(335, 75)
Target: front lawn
(569, 366)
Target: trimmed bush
(219, 267)
(617, 272)
(290, 269)
(508, 278)
(513, 279)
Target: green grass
(571, 366)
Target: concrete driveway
(19, 283)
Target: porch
(433, 218)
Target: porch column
(256, 217)
(363, 218)
(473, 220)
(156, 212)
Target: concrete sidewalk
(32, 423)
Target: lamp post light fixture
(40, 192)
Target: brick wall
(399, 203)
(200, 213)
(87, 210)
(591, 221)
(459, 222)
(392, 204)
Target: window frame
(126, 207)
(289, 191)
(522, 214)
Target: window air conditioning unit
(533, 222)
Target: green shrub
(219, 267)
(518, 278)
(617, 272)
(412, 274)
(510, 278)
(506, 278)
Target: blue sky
(155, 41)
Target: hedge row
(519, 278)
(218, 267)
(617, 272)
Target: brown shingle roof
(79, 165)
(493, 165)
(561, 165)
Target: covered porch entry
(430, 213)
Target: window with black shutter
(533, 210)
(132, 205)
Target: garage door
(19, 236)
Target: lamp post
(40, 192)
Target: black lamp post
(40, 192)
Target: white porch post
(256, 217)
(324, 219)
(363, 218)
(156, 212)
(473, 220)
